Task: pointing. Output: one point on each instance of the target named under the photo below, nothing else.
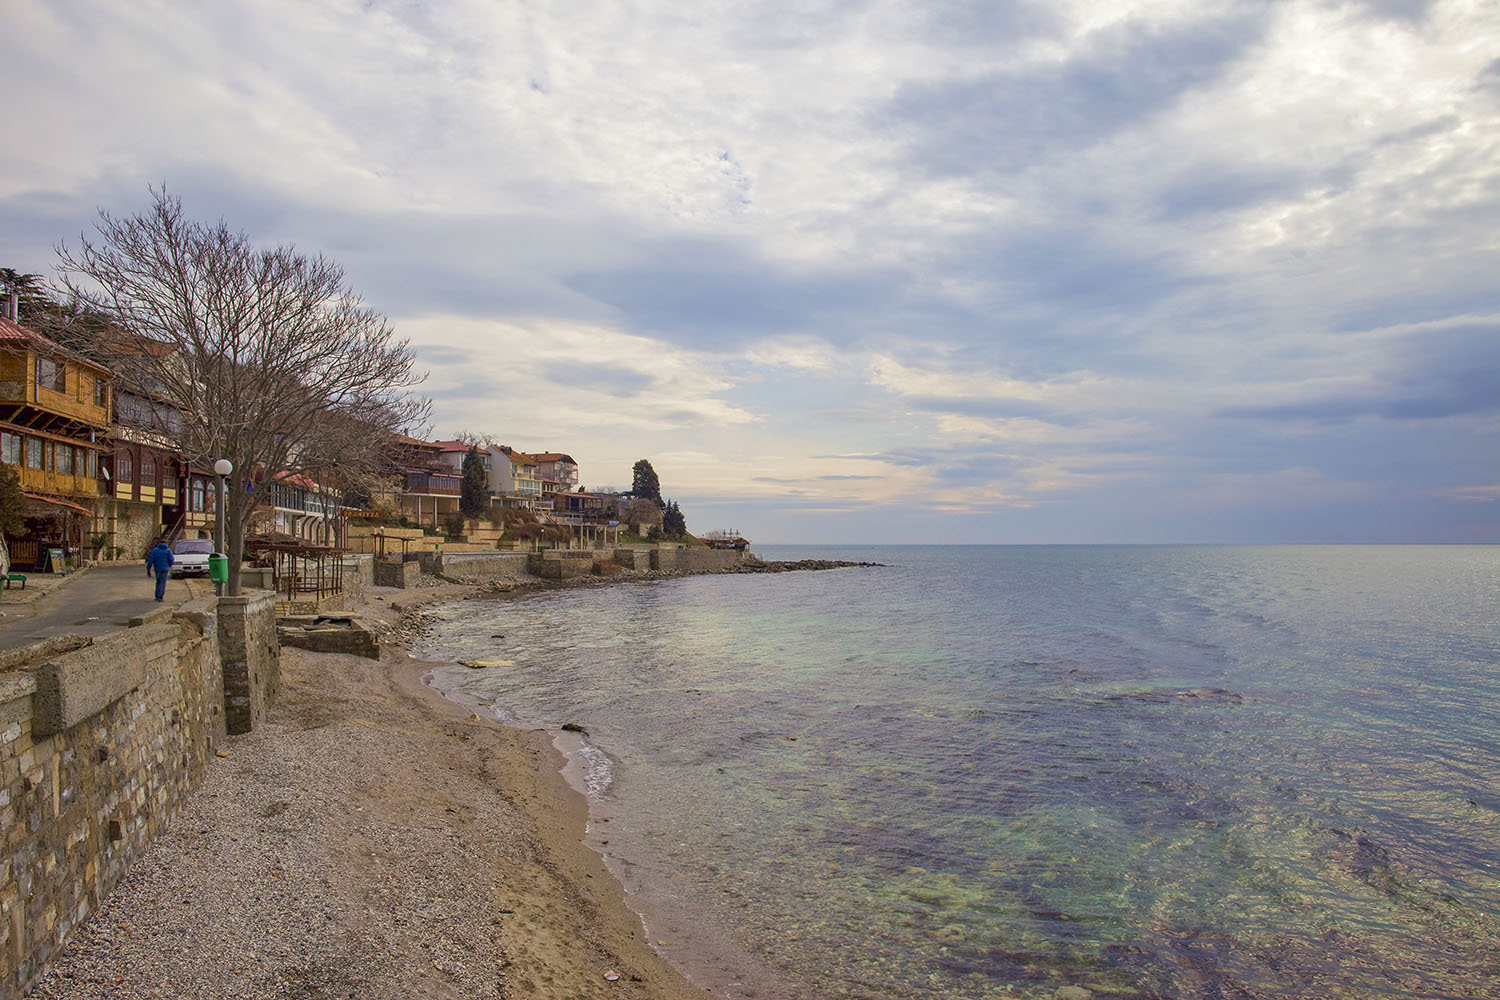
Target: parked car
(190, 556)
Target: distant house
(300, 506)
(559, 474)
(520, 478)
(54, 418)
(513, 477)
(428, 488)
(588, 516)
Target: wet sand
(373, 839)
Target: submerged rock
(1164, 696)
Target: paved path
(94, 602)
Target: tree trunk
(237, 511)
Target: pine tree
(474, 493)
(644, 484)
(673, 524)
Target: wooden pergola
(299, 568)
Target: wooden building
(54, 419)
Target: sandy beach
(372, 840)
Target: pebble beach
(371, 840)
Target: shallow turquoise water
(992, 771)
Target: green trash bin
(218, 568)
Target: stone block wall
(359, 573)
(251, 656)
(99, 747)
(708, 560)
(473, 566)
(133, 527)
(257, 578)
(390, 573)
(553, 565)
(664, 559)
(633, 558)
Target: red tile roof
(455, 445)
(14, 333)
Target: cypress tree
(474, 494)
(673, 524)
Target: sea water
(996, 771)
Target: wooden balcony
(434, 484)
(58, 483)
(73, 392)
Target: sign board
(53, 563)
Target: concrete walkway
(90, 602)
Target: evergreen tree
(12, 501)
(673, 524)
(644, 484)
(474, 494)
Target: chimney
(13, 307)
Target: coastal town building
(426, 490)
(513, 477)
(54, 420)
(558, 474)
(303, 508)
(143, 477)
(520, 478)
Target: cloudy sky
(1071, 271)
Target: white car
(190, 557)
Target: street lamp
(223, 467)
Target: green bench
(11, 578)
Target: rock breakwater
(789, 566)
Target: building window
(51, 374)
(65, 459)
(101, 392)
(10, 448)
(33, 453)
(148, 471)
(198, 501)
(125, 469)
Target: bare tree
(262, 356)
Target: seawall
(101, 743)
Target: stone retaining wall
(708, 560)
(633, 558)
(557, 564)
(99, 747)
(359, 573)
(251, 657)
(393, 573)
(467, 567)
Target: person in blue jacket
(160, 560)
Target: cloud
(611, 380)
(1474, 494)
(1042, 264)
(1010, 118)
(1431, 372)
(496, 374)
(713, 294)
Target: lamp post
(223, 467)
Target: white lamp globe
(223, 467)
